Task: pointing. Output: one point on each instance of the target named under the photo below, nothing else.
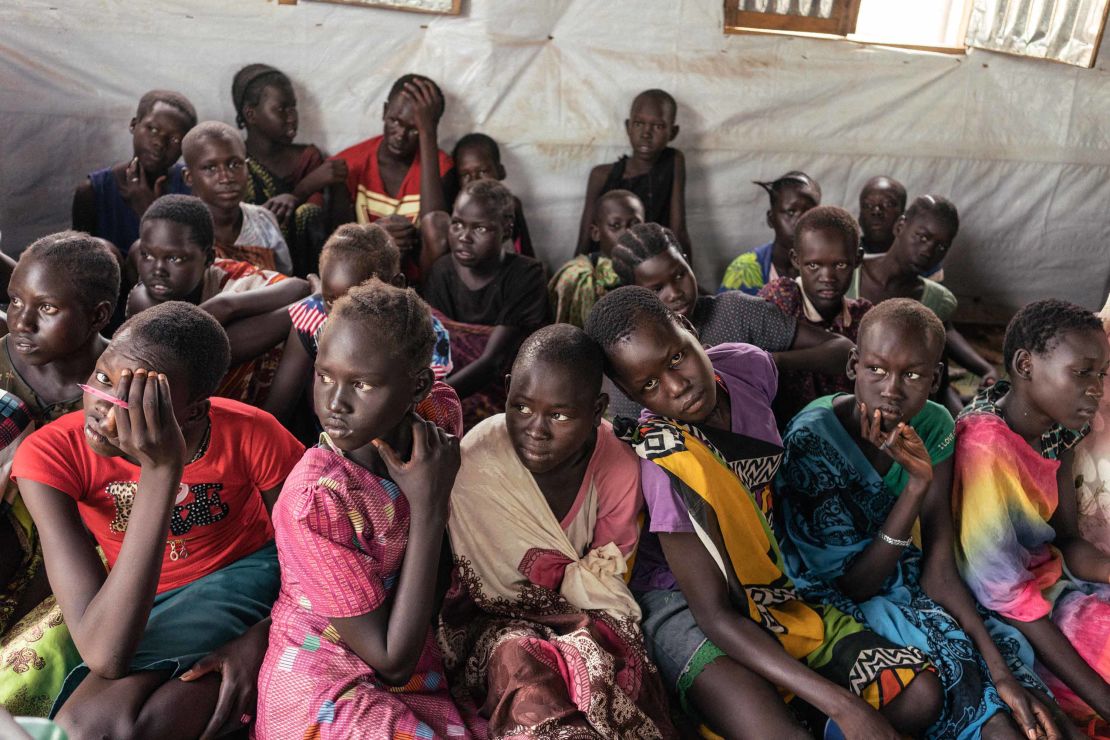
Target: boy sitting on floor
(399, 172)
(177, 262)
(216, 170)
(113, 199)
(655, 172)
(826, 254)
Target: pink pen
(103, 396)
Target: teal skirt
(189, 622)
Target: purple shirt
(751, 378)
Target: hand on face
(427, 105)
(136, 191)
(902, 444)
(427, 477)
(147, 430)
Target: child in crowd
(285, 178)
(216, 170)
(62, 293)
(477, 157)
(724, 621)
(649, 255)
(791, 195)
(543, 527)
(882, 201)
(113, 199)
(177, 262)
(576, 286)
(826, 254)
(398, 173)
(857, 473)
(1092, 468)
(351, 256)
(922, 237)
(175, 488)
(655, 172)
(1018, 544)
(488, 299)
(360, 527)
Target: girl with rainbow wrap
(1018, 543)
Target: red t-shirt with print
(218, 516)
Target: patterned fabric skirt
(35, 657)
(908, 616)
(544, 669)
(871, 666)
(1082, 613)
(468, 342)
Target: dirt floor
(987, 340)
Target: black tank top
(653, 188)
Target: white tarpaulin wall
(1022, 146)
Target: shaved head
(210, 130)
(565, 346)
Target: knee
(85, 722)
(923, 702)
(523, 654)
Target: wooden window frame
(841, 22)
(742, 23)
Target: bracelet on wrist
(893, 542)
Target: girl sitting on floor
(177, 262)
(488, 299)
(858, 471)
(360, 527)
(540, 627)
(175, 487)
(726, 625)
(61, 295)
(1018, 544)
(285, 178)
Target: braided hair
(639, 244)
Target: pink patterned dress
(341, 538)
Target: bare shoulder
(600, 172)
